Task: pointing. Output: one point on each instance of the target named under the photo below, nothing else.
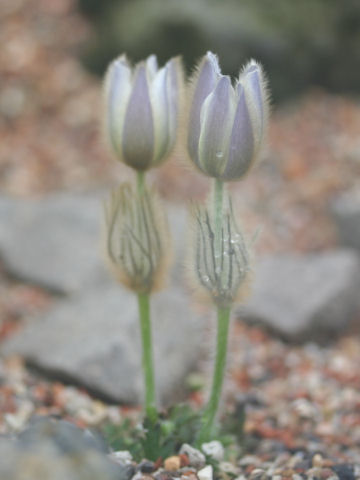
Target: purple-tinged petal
(255, 91)
(151, 66)
(117, 91)
(138, 132)
(204, 83)
(241, 145)
(174, 91)
(217, 116)
(159, 102)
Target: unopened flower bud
(141, 110)
(137, 239)
(221, 272)
(227, 124)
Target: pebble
(317, 460)
(146, 466)
(228, 467)
(121, 456)
(171, 464)
(214, 450)
(205, 473)
(196, 458)
(249, 460)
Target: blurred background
(53, 56)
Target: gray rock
(305, 297)
(42, 455)
(53, 241)
(178, 225)
(93, 340)
(345, 210)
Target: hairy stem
(218, 208)
(223, 321)
(145, 327)
(140, 180)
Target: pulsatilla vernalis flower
(141, 110)
(222, 270)
(137, 239)
(227, 123)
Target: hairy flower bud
(137, 239)
(141, 110)
(227, 124)
(221, 272)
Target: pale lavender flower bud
(142, 109)
(227, 125)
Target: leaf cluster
(179, 425)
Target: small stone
(146, 466)
(344, 471)
(249, 460)
(259, 474)
(317, 460)
(205, 473)
(188, 475)
(228, 467)
(214, 449)
(196, 458)
(171, 464)
(121, 456)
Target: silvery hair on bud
(137, 239)
(224, 275)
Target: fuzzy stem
(223, 321)
(145, 327)
(140, 180)
(218, 207)
(223, 318)
(147, 360)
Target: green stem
(223, 321)
(140, 180)
(147, 357)
(145, 327)
(218, 207)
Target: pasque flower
(141, 110)
(227, 123)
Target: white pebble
(214, 450)
(205, 473)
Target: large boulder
(345, 210)
(93, 340)
(305, 297)
(53, 241)
(57, 450)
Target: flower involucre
(142, 109)
(222, 272)
(137, 239)
(227, 124)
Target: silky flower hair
(226, 123)
(142, 105)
